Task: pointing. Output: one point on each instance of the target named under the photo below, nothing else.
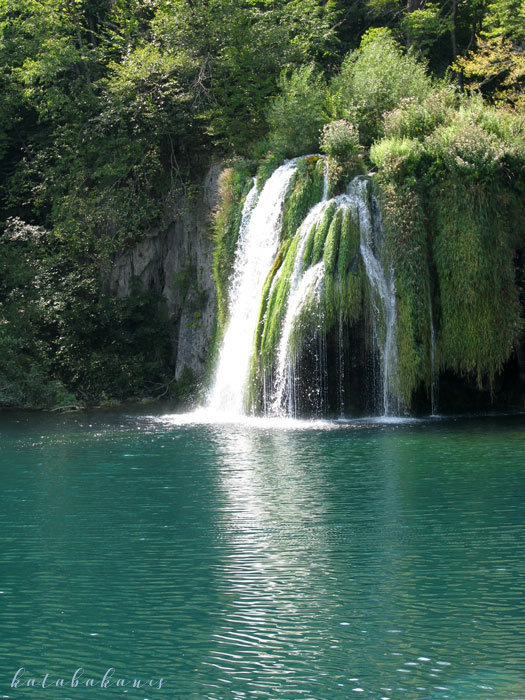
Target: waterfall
(256, 250)
(382, 284)
(433, 378)
(301, 287)
(297, 365)
(305, 284)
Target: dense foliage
(451, 175)
(110, 108)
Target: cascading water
(302, 284)
(382, 283)
(284, 400)
(256, 250)
(433, 377)
(325, 181)
(301, 288)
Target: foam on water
(206, 417)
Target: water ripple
(251, 560)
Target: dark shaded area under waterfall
(339, 376)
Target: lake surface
(269, 561)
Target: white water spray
(256, 250)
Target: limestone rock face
(175, 260)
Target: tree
(296, 115)
(496, 65)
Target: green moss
(466, 232)
(454, 223)
(320, 235)
(407, 246)
(306, 190)
(257, 370)
(332, 287)
(331, 247)
(332, 302)
(309, 246)
(265, 297)
(349, 241)
(474, 257)
(234, 185)
(268, 165)
(352, 292)
(276, 310)
(311, 318)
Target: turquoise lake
(273, 561)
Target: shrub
(508, 127)
(415, 119)
(454, 135)
(396, 157)
(466, 149)
(296, 114)
(340, 139)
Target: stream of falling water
(257, 246)
(382, 283)
(433, 378)
(341, 364)
(256, 250)
(325, 181)
(301, 286)
(304, 284)
(301, 283)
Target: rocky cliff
(175, 261)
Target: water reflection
(271, 510)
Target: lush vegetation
(109, 110)
(57, 331)
(451, 179)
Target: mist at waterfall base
(310, 381)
